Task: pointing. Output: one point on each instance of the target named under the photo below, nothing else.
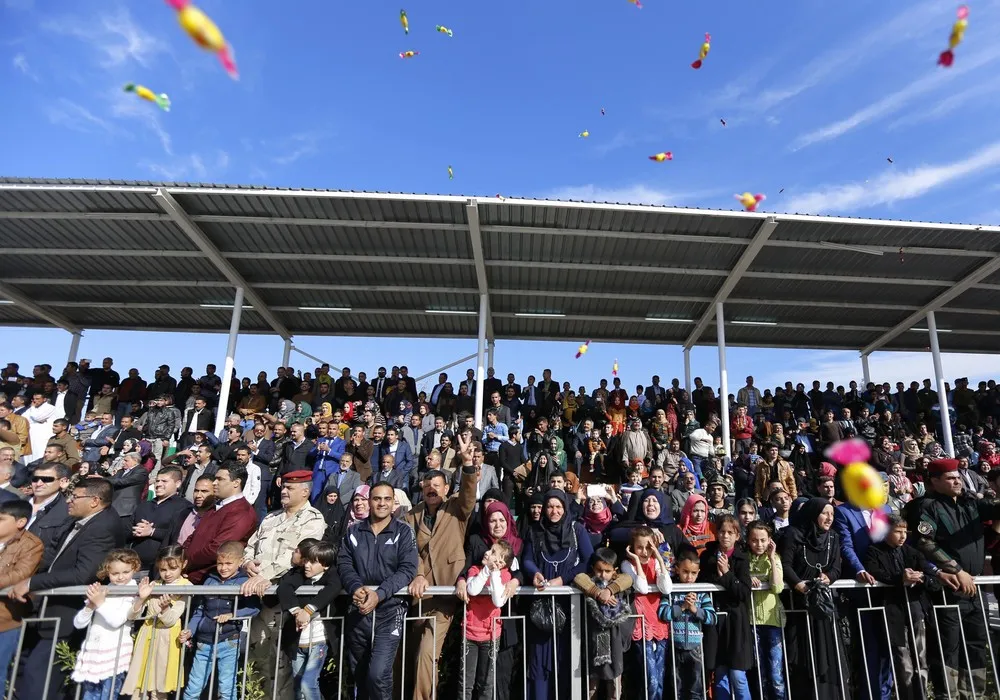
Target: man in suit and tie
(196, 419)
(345, 478)
(432, 439)
(550, 388)
(381, 384)
(531, 397)
(402, 454)
(96, 530)
(50, 517)
(436, 391)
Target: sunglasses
(43, 479)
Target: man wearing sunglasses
(49, 512)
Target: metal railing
(575, 665)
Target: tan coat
(18, 561)
(442, 551)
(278, 536)
(69, 446)
(19, 425)
(785, 474)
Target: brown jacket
(19, 425)
(18, 561)
(362, 457)
(442, 551)
(785, 474)
(69, 447)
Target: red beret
(940, 467)
(297, 477)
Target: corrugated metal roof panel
(12, 314)
(778, 287)
(370, 300)
(188, 294)
(272, 238)
(566, 250)
(83, 264)
(305, 207)
(977, 299)
(93, 233)
(565, 278)
(854, 233)
(855, 264)
(325, 272)
(84, 201)
(503, 213)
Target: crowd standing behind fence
(392, 516)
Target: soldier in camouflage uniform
(947, 528)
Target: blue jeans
(227, 653)
(306, 667)
(656, 659)
(731, 683)
(102, 690)
(771, 660)
(8, 646)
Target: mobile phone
(596, 491)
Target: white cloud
(974, 93)
(633, 194)
(848, 55)
(896, 101)
(114, 37)
(299, 146)
(20, 62)
(893, 186)
(63, 112)
(178, 169)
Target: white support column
(687, 371)
(286, 356)
(949, 444)
(74, 346)
(720, 326)
(227, 371)
(489, 353)
(865, 372)
(480, 358)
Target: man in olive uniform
(947, 527)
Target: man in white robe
(40, 416)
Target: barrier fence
(966, 681)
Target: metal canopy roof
(167, 256)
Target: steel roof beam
(763, 232)
(177, 214)
(38, 311)
(953, 292)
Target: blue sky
(816, 96)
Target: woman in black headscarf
(557, 549)
(653, 511)
(810, 551)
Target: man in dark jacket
(382, 553)
(153, 520)
(50, 518)
(129, 488)
(96, 531)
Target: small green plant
(254, 689)
(65, 659)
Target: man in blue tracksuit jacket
(379, 552)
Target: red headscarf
(596, 522)
(511, 535)
(687, 525)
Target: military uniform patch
(924, 528)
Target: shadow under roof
(83, 254)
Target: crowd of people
(362, 488)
